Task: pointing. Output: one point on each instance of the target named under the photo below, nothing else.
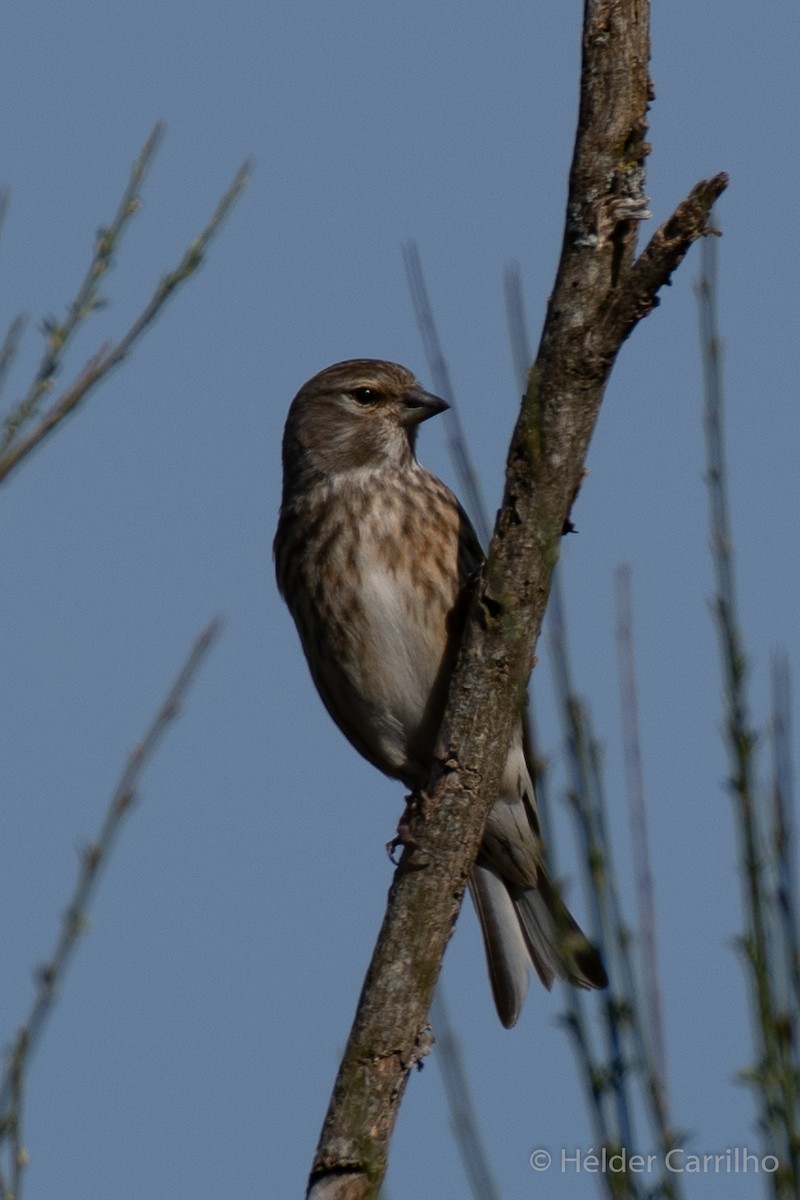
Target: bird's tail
(523, 926)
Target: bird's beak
(419, 405)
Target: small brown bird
(372, 552)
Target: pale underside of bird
(372, 556)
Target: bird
(372, 555)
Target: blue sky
(194, 1047)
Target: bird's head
(355, 414)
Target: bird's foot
(416, 809)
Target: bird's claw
(414, 810)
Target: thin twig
(58, 334)
(93, 858)
(9, 348)
(583, 801)
(637, 812)
(629, 1057)
(470, 483)
(463, 1118)
(106, 359)
(785, 942)
(591, 1070)
(783, 823)
(521, 353)
(775, 1072)
(741, 735)
(4, 202)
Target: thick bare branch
(652, 270)
(597, 272)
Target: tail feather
(523, 926)
(507, 953)
(558, 946)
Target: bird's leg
(416, 809)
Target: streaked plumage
(372, 552)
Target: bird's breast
(371, 574)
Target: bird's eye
(365, 395)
